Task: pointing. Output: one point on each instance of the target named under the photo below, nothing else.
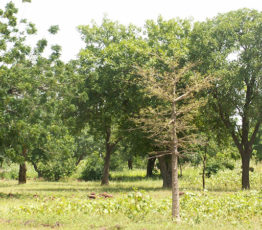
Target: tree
(29, 95)
(169, 122)
(150, 166)
(171, 39)
(13, 63)
(229, 47)
(105, 96)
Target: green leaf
(53, 29)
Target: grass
(137, 203)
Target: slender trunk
(181, 170)
(22, 174)
(166, 170)
(37, 170)
(81, 157)
(245, 171)
(204, 171)
(175, 189)
(130, 164)
(150, 166)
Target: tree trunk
(109, 150)
(130, 164)
(244, 145)
(204, 171)
(181, 170)
(81, 157)
(175, 189)
(180, 167)
(150, 166)
(166, 170)
(105, 177)
(22, 174)
(37, 170)
(245, 171)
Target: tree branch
(253, 137)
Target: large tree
(14, 80)
(105, 97)
(229, 47)
(30, 123)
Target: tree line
(174, 90)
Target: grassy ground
(137, 203)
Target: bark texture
(22, 173)
(245, 173)
(105, 177)
(166, 170)
(175, 188)
(109, 149)
(150, 166)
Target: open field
(137, 203)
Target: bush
(56, 170)
(11, 170)
(94, 167)
(56, 161)
(216, 164)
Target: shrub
(56, 161)
(57, 169)
(94, 167)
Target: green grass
(137, 203)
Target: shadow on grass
(28, 193)
(14, 195)
(225, 190)
(8, 185)
(186, 188)
(108, 189)
(134, 178)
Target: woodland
(162, 121)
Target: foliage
(94, 167)
(217, 164)
(214, 157)
(169, 122)
(105, 97)
(139, 206)
(9, 171)
(258, 146)
(30, 101)
(222, 206)
(231, 52)
(53, 29)
(55, 114)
